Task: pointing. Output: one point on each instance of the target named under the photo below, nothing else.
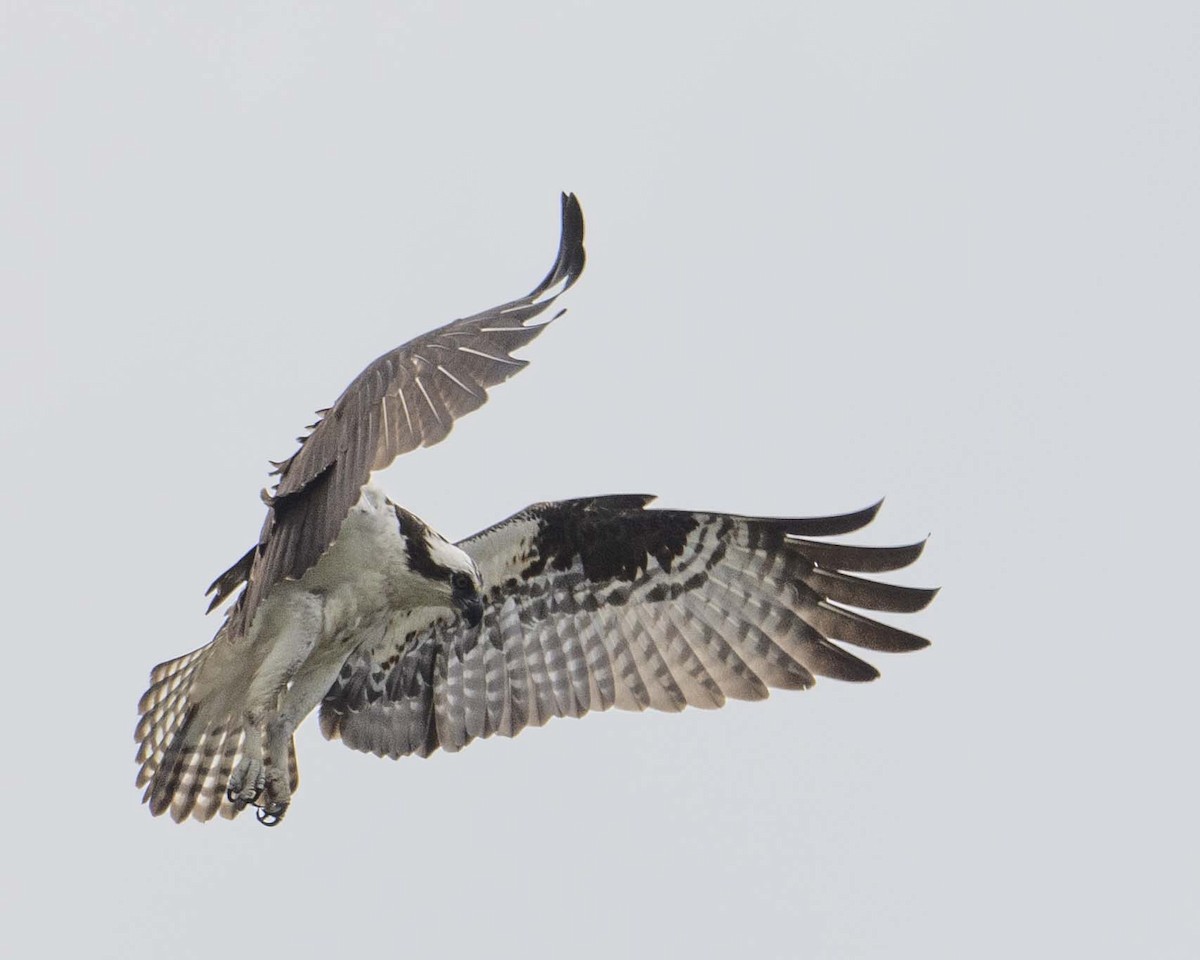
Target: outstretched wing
(408, 398)
(599, 603)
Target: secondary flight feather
(408, 643)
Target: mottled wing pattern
(406, 399)
(601, 603)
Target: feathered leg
(308, 687)
(290, 636)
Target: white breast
(354, 574)
(338, 603)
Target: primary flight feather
(408, 643)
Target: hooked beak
(471, 608)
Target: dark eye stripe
(416, 540)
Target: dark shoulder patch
(612, 537)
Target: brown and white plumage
(409, 643)
(407, 398)
(204, 714)
(599, 603)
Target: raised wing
(599, 603)
(407, 398)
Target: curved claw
(239, 800)
(246, 783)
(271, 816)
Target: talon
(241, 798)
(271, 816)
(238, 795)
(246, 784)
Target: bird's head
(439, 574)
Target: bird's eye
(461, 583)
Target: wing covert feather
(600, 602)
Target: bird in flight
(408, 643)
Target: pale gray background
(940, 251)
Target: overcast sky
(939, 251)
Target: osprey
(408, 642)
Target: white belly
(346, 597)
(357, 576)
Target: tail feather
(187, 760)
(182, 756)
(200, 762)
(164, 772)
(211, 798)
(166, 714)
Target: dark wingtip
(930, 595)
(832, 526)
(571, 251)
(909, 599)
(867, 675)
(572, 218)
(569, 263)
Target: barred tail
(186, 761)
